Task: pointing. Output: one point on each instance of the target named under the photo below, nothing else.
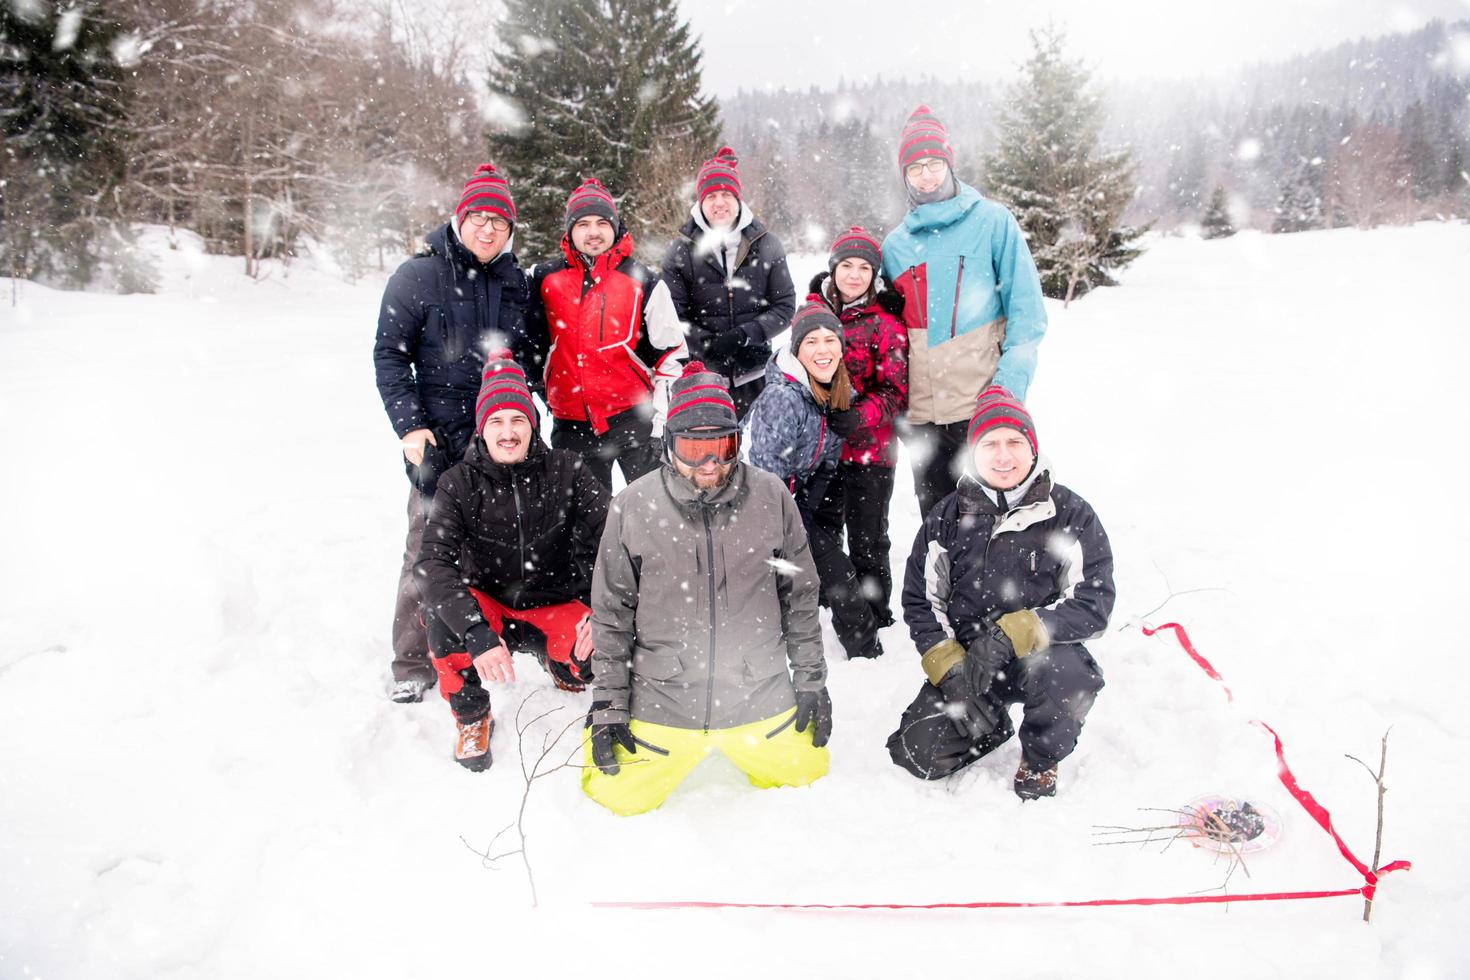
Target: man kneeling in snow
(507, 559)
(1009, 574)
(704, 591)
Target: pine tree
(1049, 168)
(1299, 208)
(1216, 221)
(1423, 165)
(61, 100)
(1186, 178)
(606, 89)
(857, 177)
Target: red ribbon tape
(1306, 800)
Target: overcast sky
(795, 43)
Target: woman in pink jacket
(876, 355)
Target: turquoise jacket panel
(970, 262)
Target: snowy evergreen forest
(275, 127)
(1366, 133)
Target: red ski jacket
(604, 334)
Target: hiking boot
(1034, 784)
(410, 690)
(870, 653)
(561, 674)
(472, 747)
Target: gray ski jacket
(701, 600)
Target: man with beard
(603, 333)
(704, 620)
(972, 303)
(507, 559)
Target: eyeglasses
(934, 166)
(477, 219)
(693, 450)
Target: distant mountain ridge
(1247, 130)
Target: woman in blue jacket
(795, 427)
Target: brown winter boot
(561, 674)
(1033, 784)
(472, 747)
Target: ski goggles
(696, 450)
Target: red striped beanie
(719, 173)
(503, 386)
(486, 190)
(997, 408)
(591, 199)
(855, 243)
(923, 136)
(815, 315)
(700, 399)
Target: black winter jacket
(758, 300)
(525, 534)
(969, 562)
(443, 311)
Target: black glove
(815, 708)
(845, 422)
(973, 717)
(988, 657)
(425, 476)
(603, 736)
(727, 342)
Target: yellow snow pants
(770, 752)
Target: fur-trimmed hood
(888, 300)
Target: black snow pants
(820, 504)
(937, 454)
(628, 441)
(1057, 687)
(867, 491)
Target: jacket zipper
(954, 315)
(520, 531)
(642, 378)
(821, 438)
(709, 551)
(730, 305)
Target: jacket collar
(1034, 505)
(600, 266)
(689, 500)
(942, 214)
(709, 243)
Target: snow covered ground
(200, 775)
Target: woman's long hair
(836, 396)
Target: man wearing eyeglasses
(443, 311)
(972, 304)
(704, 619)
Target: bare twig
(1382, 790)
(533, 767)
(1141, 617)
(1194, 824)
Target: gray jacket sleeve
(796, 588)
(614, 607)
